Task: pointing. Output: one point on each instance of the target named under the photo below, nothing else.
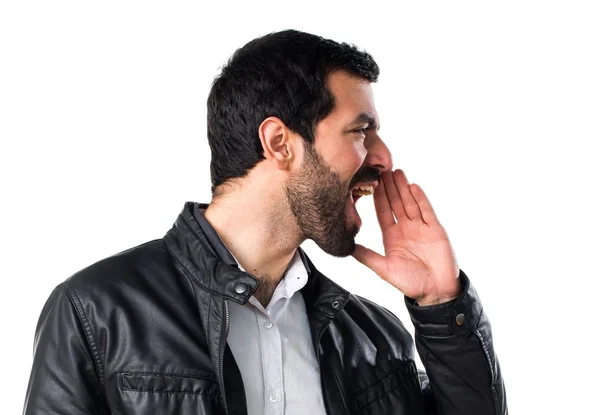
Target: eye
(362, 131)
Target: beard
(317, 196)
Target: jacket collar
(196, 246)
(215, 242)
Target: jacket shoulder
(143, 265)
(377, 325)
(371, 309)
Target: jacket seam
(384, 394)
(489, 362)
(208, 317)
(432, 388)
(192, 276)
(174, 392)
(170, 374)
(210, 301)
(74, 298)
(200, 237)
(337, 383)
(163, 391)
(382, 378)
(189, 277)
(327, 315)
(439, 399)
(196, 302)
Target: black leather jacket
(144, 332)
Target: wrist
(441, 297)
(435, 300)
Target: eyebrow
(366, 118)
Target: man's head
(303, 105)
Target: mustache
(365, 174)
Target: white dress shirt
(274, 351)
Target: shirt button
(268, 324)
(240, 288)
(460, 319)
(274, 397)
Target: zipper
(224, 334)
(318, 350)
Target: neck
(260, 232)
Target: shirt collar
(294, 279)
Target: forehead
(353, 96)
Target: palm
(418, 260)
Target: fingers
(411, 207)
(427, 211)
(371, 259)
(403, 199)
(399, 195)
(393, 195)
(385, 216)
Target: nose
(378, 154)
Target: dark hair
(281, 74)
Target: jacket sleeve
(64, 377)
(454, 341)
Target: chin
(341, 247)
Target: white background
(493, 108)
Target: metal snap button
(241, 288)
(460, 319)
(336, 304)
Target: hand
(419, 259)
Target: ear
(278, 142)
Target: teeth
(363, 190)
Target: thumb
(371, 259)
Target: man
(226, 314)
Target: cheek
(351, 160)
(360, 151)
(345, 158)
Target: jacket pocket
(169, 393)
(398, 392)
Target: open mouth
(362, 190)
(356, 193)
